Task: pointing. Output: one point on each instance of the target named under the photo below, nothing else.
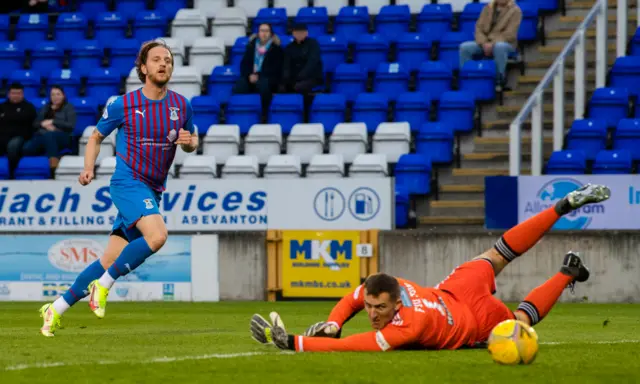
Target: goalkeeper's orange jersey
(428, 319)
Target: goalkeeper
(459, 312)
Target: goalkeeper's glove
(274, 333)
(323, 329)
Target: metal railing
(555, 74)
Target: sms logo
(552, 192)
(321, 253)
(74, 255)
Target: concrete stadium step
(546, 64)
(568, 78)
(463, 208)
(587, 4)
(503, 124)
(572, 21)
(523, 93)
(461, 191)
(450, 220)
(477, 175)
(511, 111)
(591, 47)
(495, 159)
(501, 144)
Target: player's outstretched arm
(346, 308)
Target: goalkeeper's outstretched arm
(374, 341)
(347, 307)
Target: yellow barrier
(319, 264)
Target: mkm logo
(329, 251)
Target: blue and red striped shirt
(147, 131)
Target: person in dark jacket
(55, 123)
(16, 124)
(261, 66)
(302, 62)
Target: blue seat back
(33, 168)
(456, 110)
(611, 104)
(403, 204)
(469, 16)
(479, 78)
(392, 21)
(614, 162)
(130, 9)
(70, 27)
(86, 113)
(206, 111)
(450, 47)
(371, 109)
(349, 80)
(123, 55)
(352, 22)
(333, 50)
(4, 168)
(32, 29)
(568, 162)
(286, 110)
(627, 137)
(413, 171)
(238, 49)
(328, 110)
(315, 18)
(412, 50)
(277, 17)
(110, 29)
(589, 136)
(103, 83)
(92, 8)
(31, 80)
(221, 82)
(87, 54)
(11, 58)
(149, 25)
(391, 79)
(370, 50)
(171, 7)
(435, 140)
(413, 107)
(528, 30)
(435, 20)
(245, 111)
(626, 74)
(434, 78)
(68, 79)
(47, 56)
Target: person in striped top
(151, 122)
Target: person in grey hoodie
(55, 123)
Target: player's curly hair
(381, 283)
(143, 54)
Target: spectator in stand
(261, 66)
(302, 62)
(54, 124)
(496, 36)
(16, 124)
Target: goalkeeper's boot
(98, 298)
(51, 320)
(586, 194)
(573, 266)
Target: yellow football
(513, 342)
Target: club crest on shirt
(174, 113)
(148, 203)
(173, 135)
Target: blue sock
(78, 290)
(132, 256)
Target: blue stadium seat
(31, 30)
(413, 171)
(435, 20)
(456, 110)
(370, 49)
(371, 109)
(391, 79)
(86, 113)
(285, 40)
(70, 27)
(149, 25)
(393, 21)
(615, 162)
(87, 54)
(529, 25)
(206, 111)
(333, 50)
(627, 137)
(589, 136)
(403, 204)
(33, 168)
(449, 50)
(567, 163)
(110, 29)
(238, 49)
(244, 110)
(479, 78)
(92, 8)
(352, 22)
(286, 110)
(435, 140)
(123, 55)
(46, 57)
(412, 50)
(102, 83)
(68, 79)
(11, 58)
(328, 110)
(611, 104)
(635, 43)
(221, 82)
(469, 16)
(546, 6)
(4, 168)
(413, 107)
(626, 74)
(31, 80)
(277, 17)
(130, 9)
(349, 80)
(315, 18)
(4, 27)
(170, 7)
(434, 78)
(39, 102)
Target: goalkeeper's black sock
(291, 342)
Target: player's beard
(160, 83)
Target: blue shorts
(134, 200)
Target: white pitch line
(167, 359)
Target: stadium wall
(427, 258)
(242, 265)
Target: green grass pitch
(210, 343)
